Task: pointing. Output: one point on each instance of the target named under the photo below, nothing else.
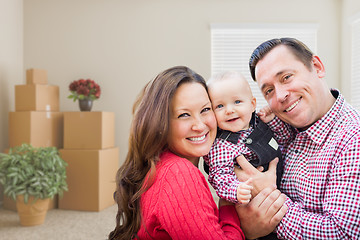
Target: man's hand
(262, 214)
(260, 180)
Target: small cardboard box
(40, 129)
(90, 178)
(36, 76)
(36, 97)
(89, 130)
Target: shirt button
(248, 140)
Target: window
(232, 45)
(355, 63)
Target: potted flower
(86, 91)
(31, 177)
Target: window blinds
(232, 45)
(355, 64)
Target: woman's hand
(260, 180)
(262, 214)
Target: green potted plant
(32, 176)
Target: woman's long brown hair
(148, 138)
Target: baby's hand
(266, 114)
(244, 192)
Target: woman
(161, 194)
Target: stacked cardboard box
(36, 119)
(92, 160)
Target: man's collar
(319, 130)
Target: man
(321, 155)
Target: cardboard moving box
(36, 97)
(36, 76)
(90, 179)
(40, 129)
(89, 130)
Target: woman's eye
(206, 110)
(237, 101)
(183, 115)
(219, 106)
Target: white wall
(124, 44)
(11, 61)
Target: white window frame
(232, 45)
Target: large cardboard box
(40, 129)
(36, 97)
(90, 179)
(36, 76)
(89, 130)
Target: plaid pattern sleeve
(322, 178)
(221, 169)
(283, 132)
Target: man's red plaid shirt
(322, 176)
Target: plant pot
(32, 213)
(85, 105)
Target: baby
(240, 132)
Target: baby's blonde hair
(225, 75)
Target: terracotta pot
(32, 213)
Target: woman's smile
(198, 139)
